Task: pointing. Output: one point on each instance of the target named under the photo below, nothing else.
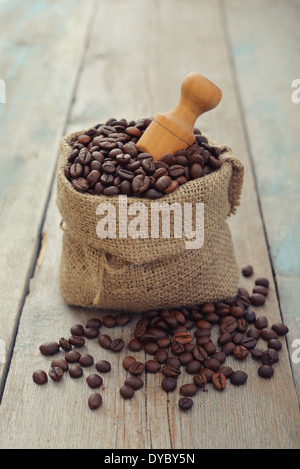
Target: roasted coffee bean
(94, 381)
(183, 338)
(161, 356)
(240, 352)
(61, 363)
(200, 380)
(224, 338)
(103, 366)
(237, 338)
(40, 377)
(117, 345)
(176, 170)
(152, 366)
(126, 392)
(250, 316)
(247, 271)
(86, 360)
(123, 318)
(127, 361)
(196, 171)
(169, 384)
(257, 299)
(254, 333)
(65, 344)
(268, 334)
(266, 371)
(261, 290)
(153, 194)
(136, 368)
(185, 357)
(220, 356)
(75, 371)
(226, 371)
(228, 348)
(264, 282)
(91, 332)
(94, 322)
(134, 382)
(77, 341)
(151, 348)
(172, 187)
(210, 348)
(76, 170)
(104, 341)
(212, 364)
(208, 373)
(173, 361)
(238, 378)
(93, 177)
(261, 322)
(177, 348)
(228, 326)
(140, 184)
(257, 353)
(55, 373)
(275, 344)
(81, 184)
(269, 357)
(199, 353)
(172, 371)
(280, 329)
(242, 325)
(49, 348)
(95, 401)
(248, 342)
(193, 367)
(219, 381)
(77, 330)
(185, 403)
(135, 345)
(72, 356)
(189, 389)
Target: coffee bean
(172, 187)
(40, 377)
(269, 357)
(127, 362)
(189, 389)
(152, 366)
(257, 353)
(266, 371)
(280, 329)
(275, 344)
(55, 373)
(193, 367)
(185, 403)
(240, 352)
(185, 357)
(248, 342)
(169, 384)
(212, 363)
(95, 401)
(219, 381)
(257, 299)
(134, 382)
(123, 318)
(208, 373)
(65, 344)
(104, 341)
(226, 371)
(126, 392)
(72, 356)
(268, 334)
(77, 341)
(250, 316)
(261, 322)
(94, 381)
(61, 363)
(254, 333)
(77, 330)
(135, 345)
(49, 348)
(200, 380)
(75, 371)
(161, 356)
(170, 370)
(247, 271)
(261, 290)
(117, 345)
(228, 348)
(238, 378)
(264, 282)
(86, 360)
(136, 368)
(183, 338)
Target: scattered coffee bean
(169, 384)
(269, 357)
(257, 299)
(126, 392)
(238, 377)
(49, 348)
(247, 271)
(275, 344)
(104, 341)
(77, 330)
(200, 380)
(240, 352)
(185, 403)
(117, 345)
(268, 334)
(72, 356)
(103, 366)
(94, 381)
(77, 341)
(280, 329)
(134, 382)
(61, 363)
(56, 373)
(86, 360)
(266, 371)
(95, 401)
(219, 381)
(75, 371)
(65, 344)
(264, 282)
(136, 368)
(91, 332)
(261, 322)
(40, 377)
(94, 322)
(152, 366)
(189, 389)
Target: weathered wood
(260, 414)
(264, 64)
(41, 47)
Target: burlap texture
(141, 274)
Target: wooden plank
(264, 64)
(41, 47)
(258, 415)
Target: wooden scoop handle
(198, 95)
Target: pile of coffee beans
(179, 342)
(106, 160)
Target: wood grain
(41, 47)
(135, 78)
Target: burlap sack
(148, 273)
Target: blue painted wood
(264, 41)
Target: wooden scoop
(174, 130)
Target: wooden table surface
(68, 64)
